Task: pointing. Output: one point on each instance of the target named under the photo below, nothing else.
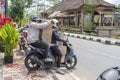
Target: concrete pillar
(99, 20)
(6, 8)
(82, 20)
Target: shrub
(10, 37)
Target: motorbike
(34, 59)
(22, 42)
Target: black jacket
(55, 37)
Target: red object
(25, 34)
(5, 20)
(0, 16)
(23, 40)
(15, 25)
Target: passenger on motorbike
(55, 48)
(34, 37)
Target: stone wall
(107, 32)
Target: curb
(108, 41)
(67, 76)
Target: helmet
(55, 21)
(36, 18)
(110, 74)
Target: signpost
(2, 6)
(6, 8)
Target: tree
(16, 10)
(117, 17)
(45, 4)
(53, 2)
(20, 9)
(90, 9)
(40, 6)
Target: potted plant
(10, 37)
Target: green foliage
(42, 6)
(2, 47)
(117, 17)
(70, 29)
(90, 8)
(16, 10)
(118, 7)
(28, 3)
(9, 37)
(53, 2)
(118, 34)
(88, 26)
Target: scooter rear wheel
(30, 64)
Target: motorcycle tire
(33, 66)
(69, 64)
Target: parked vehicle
(23, 36)
(34, 59)
(110, 74)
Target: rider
(34, 35)
(54, 47)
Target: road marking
(67, 76)
(74, 76)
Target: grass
(70, 29)
(74, 29)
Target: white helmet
(55, 22)
(110, 74)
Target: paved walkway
(1, 65)
(17, 71)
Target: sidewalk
(1, 65)
(17, 70)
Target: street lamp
(6, 8)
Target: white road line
(67, 76)
(74, 76)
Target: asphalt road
(94, 58)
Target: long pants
(43, 45)
(58, 53)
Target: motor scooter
(35, 58)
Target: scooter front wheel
(70, 62)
